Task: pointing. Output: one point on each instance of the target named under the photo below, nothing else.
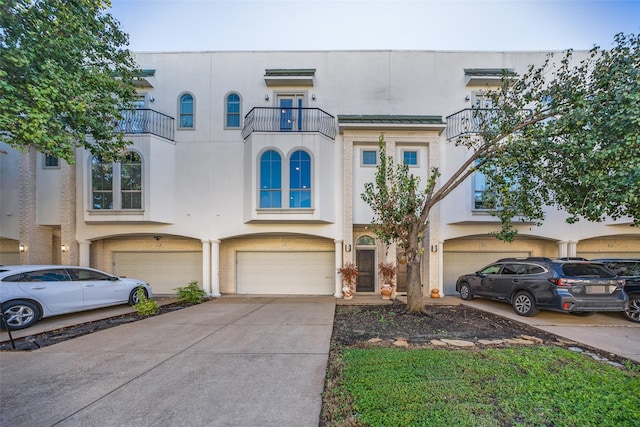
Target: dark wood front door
(365, 260)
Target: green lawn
(518, 386)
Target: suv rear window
(586, 270)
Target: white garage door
(164, 271)
(285, 273)
(458, 263)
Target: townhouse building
(246, 170)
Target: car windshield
(586, 270)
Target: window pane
(101, 183)
(300, 170)
(270, 180)
(270, 199)
(186, 111)
(131, 181)
(410, 158)
(369, 157)
(300, 199)
(51, 161)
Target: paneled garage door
(285, 273)
(458, 263)
(593, 255)
(164, 271)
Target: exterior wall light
(64, 248)
(347, 248)
(23, 248)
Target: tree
(565, 134)
(65, 76)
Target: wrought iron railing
(466, 121)
(475, 120)
(273, 119)
(145, 120)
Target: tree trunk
(415, 303)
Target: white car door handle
(89, 286)
(38, 287)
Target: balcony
(273, 119)
(475, 120)
(466, 122)
(145, 120)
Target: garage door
(458, 263)
(285, 273)
(164, 271)
(592, 255)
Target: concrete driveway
(610, 332)
(227, 362)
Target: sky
(222, 25)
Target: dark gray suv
(629, 269)
(531, 284)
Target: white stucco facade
(204, 213)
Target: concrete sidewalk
(609, 332)
(227, 362)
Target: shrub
(191, 294)
(145, 306)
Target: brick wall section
(37, 239)
(68, 215)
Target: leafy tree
(565, 134)
(65, 75)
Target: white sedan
(29, 293)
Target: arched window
(101, 184)
(365, 241)
(300, 180)
(131, 181)
(186, 111)
(270, 180)
(233, 110)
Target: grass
(518, 386)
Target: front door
(290, 112)
(365, 260)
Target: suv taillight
(561, 282)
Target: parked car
(531, 284)
(629, 269)
(31, 292)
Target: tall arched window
(186, 111)
(300, 180)
(101, 184)
(131, 181)
(233, 110)
(270, 180)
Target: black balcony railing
(273, 119)
(475, 120)
(145, 120)
(466, 121)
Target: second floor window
(186, 111)
(300, 180)
(270, 180)
(118, 185)
(131, 181)
(369, 157)
(410, 157)
(233, 110)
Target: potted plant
(388, 272)
(349, 275)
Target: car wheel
(582, 313)
(133, 296)
(633, 312)
(465, 291)
(19, 314)
(524, 305)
